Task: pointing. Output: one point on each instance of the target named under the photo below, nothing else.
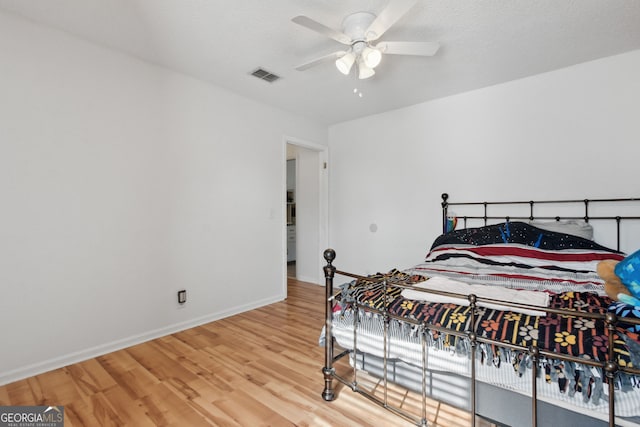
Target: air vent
(265, 75)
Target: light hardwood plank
(259, 368)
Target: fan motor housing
(356, 24)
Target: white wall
(570, 133)
(120, 184)
(308, 266)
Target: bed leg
(327, 393)
(329, 272)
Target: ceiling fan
(359, 31)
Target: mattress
(448, 370)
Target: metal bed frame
(610, 368)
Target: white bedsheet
(408, 348)
(440, 283)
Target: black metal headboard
(582, 204)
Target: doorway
(305, 203)
(291, 211)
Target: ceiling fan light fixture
(371, 57)
(361, 32)
(344, 63)
(364, 72)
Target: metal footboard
(610, 368)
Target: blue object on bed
(623, 311)
(628, 270)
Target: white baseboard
(99, 350)
(308, 279)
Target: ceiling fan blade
(326, 58)
(395, 10)
(409, 48)
(322, 29)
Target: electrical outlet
(182, 296)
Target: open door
(305, 199)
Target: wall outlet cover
(182, 296)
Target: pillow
(517, 232)
(575, 228)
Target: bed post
(535, 358)
(611, 366)
(444, 203)
(473, 341)
(329, 272)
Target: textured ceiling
(483, 42)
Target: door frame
(323, 201)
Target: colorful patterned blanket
(572, 335)
(566, 334)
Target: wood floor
(260, 368)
